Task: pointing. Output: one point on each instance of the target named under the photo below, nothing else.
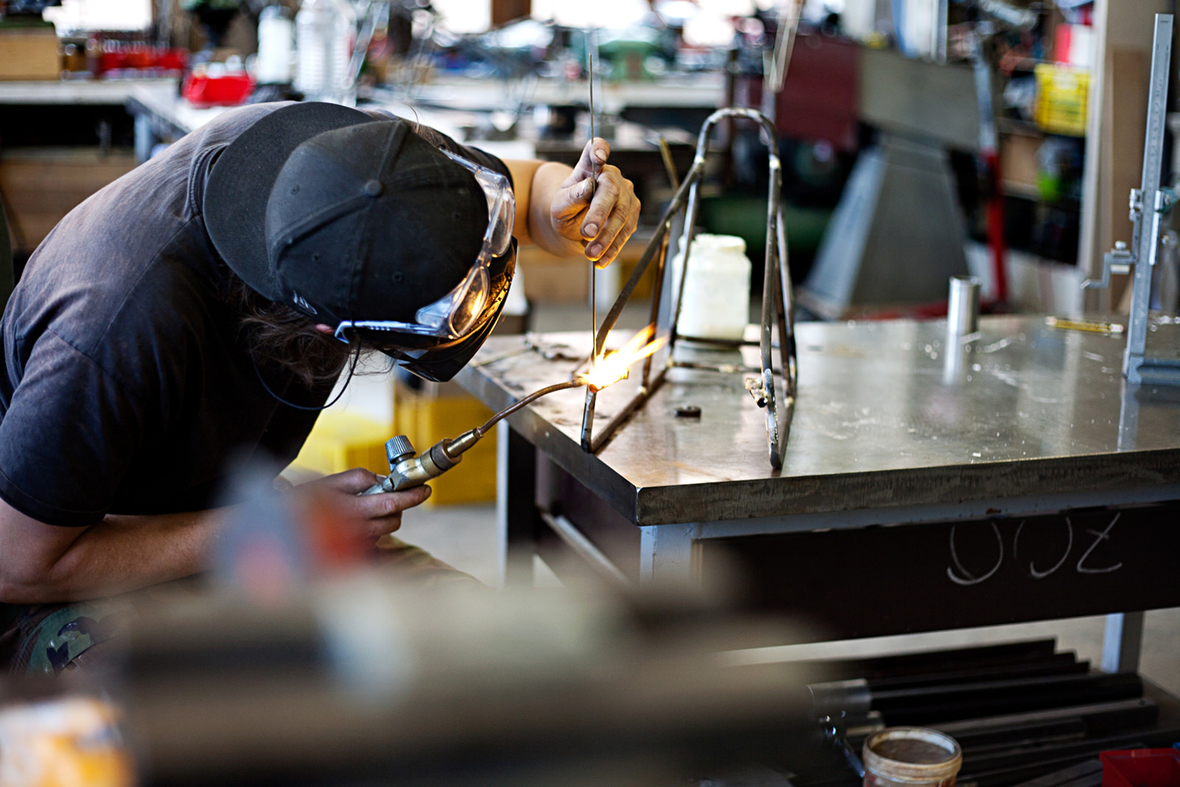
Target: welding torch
(407, 470)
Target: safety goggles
(458, 312)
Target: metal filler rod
(591, 45)
(595, 347)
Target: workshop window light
(621, 13)
(464, 16)
(474, 16)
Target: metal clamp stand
(777, 305)
(1138, 366)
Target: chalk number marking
(959, 574)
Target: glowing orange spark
(610, 367)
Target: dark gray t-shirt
(126, 387)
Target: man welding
(199, 310)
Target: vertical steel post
(1146, 242)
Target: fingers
(383, 512)
(352, 481)
(611, 218)
(391, 503)
(375, 514)
(569, 207)
(596, 150)
(602, 213)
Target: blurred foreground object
(363, 680)
(65, 743)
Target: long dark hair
(277, 336)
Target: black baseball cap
(344, 216)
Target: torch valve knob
(398, 448)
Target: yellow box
(436, 411)
(1062, 96)
(341, 441)
(29, 53)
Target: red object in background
(1140, 768)
(995, 227)
(117, 57)
(819, 99)
(222, 91)
(172, 59)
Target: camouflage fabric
(52, 638)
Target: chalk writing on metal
(959, 574)
(973, 580)
(1032, 571)
(1098, 539)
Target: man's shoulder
(231, 123)
(111, 311)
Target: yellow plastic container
(1062, 96)
(340, 441)
(435, 411)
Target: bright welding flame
(610, 367)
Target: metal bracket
(778, 311)
(1116, 262)
(1138, 366)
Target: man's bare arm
(559, 209)
(41, 563)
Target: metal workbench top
(890, 416)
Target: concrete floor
(465, 537)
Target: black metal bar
(523, 520)
(1084, 774)
(770, 302)
(1057, 664)
(1010, 767)
(945, 660)
(657, 294)
(588, 419)
(1104, 718)
(607, 432)
(931, 705)
(784, 294)
(616, 309)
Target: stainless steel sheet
(888, 415)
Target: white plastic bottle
(325, 31)
(717, 293)
(276, 35)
